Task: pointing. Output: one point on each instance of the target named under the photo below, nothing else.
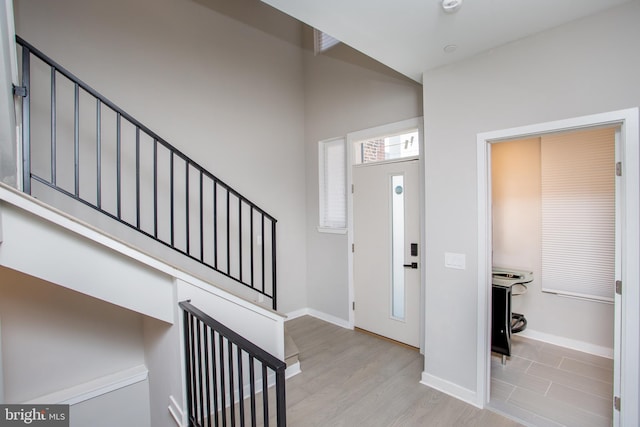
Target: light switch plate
(457, 261)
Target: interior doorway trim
(628, 120)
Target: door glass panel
(397, 247)
(387, 147)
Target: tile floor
(549, 386)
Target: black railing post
(26, 120)
(187, 359)
(54, 163)
(76, 139)
(281, 401)
(273, 265)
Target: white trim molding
(176, 412)
(582, 346)
(447, 387)
(629, 340)
(95, 388)
(319, 315)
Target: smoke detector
(451, 6)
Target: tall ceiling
(410, 36)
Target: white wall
(83, 338)
(128, 407)
(588, 66)
(227, 94)
(516, 197)
(344, 92)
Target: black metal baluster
(187, 352)
(265, 395)
(76, 139)
(155, 188)
(53, 127)
(186, 198)
(206, 374)
(215, 224)
(214, 378)
(193, 369)
(228, 234)
(201, 378)
(172, 199)
(137, 177)
(262, 249)
(232, 408)
(99, 153)
(240, 388)
(201, 219)
(252, 390)
(274, 299)
(240, 237)
(223, 400)
(251, 244)
(118, 165)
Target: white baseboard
(176, 412)
(292, 370)
(319, 315)
(454, 390)
(297, 313)
(94, 388)
(582, 346)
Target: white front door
(386, 253)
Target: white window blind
(578, 213)
(323, 41)
(333, 200)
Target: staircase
(97, 174)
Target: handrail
(215, 366)
(237, 239)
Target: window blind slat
(333, 200)
(578, 213)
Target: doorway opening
(385, 216)
(625, 317)
(553, 219)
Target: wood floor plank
(354, 379)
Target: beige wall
(54, 338)
(227, 94)
(588, 66)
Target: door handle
(412, 265)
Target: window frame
(331, 225)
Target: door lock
(412, 265)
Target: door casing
(415, 123)
(629, 155)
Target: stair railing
(229, 377)
(77, 142)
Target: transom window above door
(387, 147)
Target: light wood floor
(354, 379)
(551, 386)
